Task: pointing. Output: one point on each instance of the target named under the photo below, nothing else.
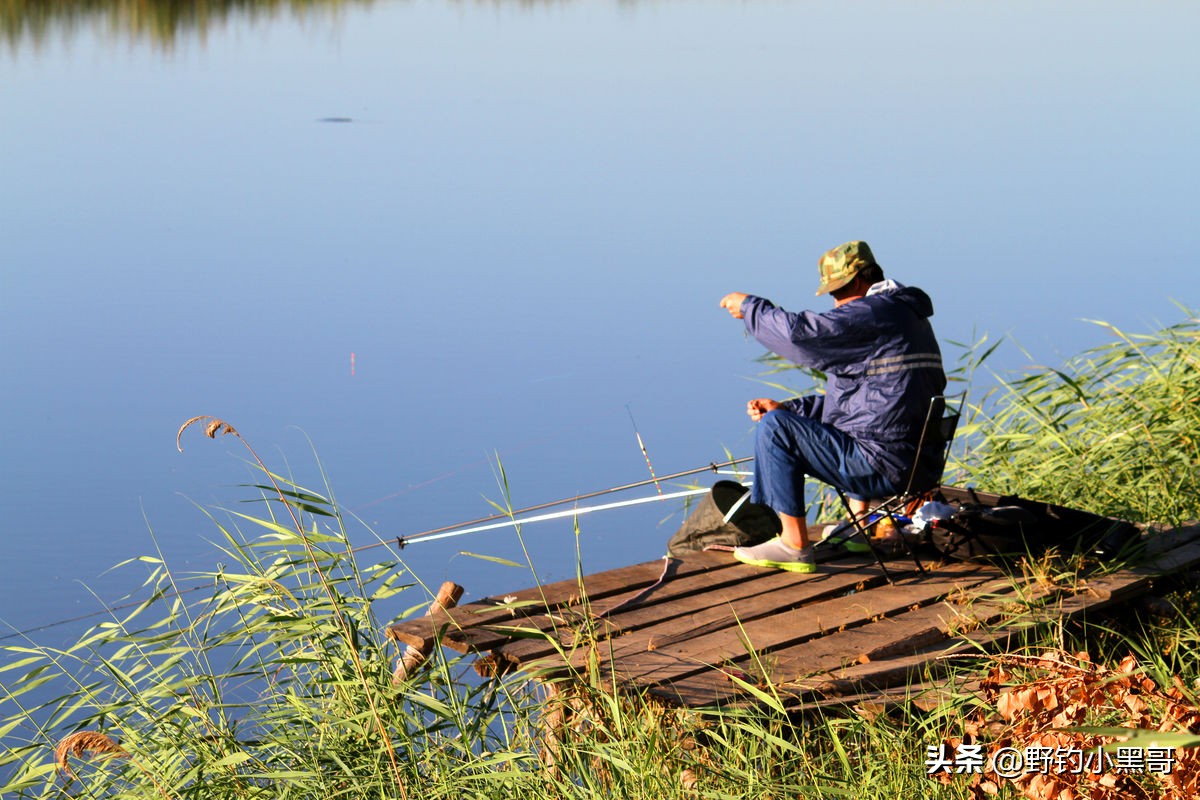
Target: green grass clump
(269, 677)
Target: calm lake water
(407, 238)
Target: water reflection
(162, 21)
(159, 21)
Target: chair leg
(912, 551)
(857, 522)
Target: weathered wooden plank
(674, 597)
(597, 586)
(626, 663)
(904, 633)
(713, 689)
(536, 600)
(1158, 539)
(600, 591)
(661, 627)
(490, 627)
(691, 592)
(695, 607)
(770, 592)
(758, 593)
(703, 691)
(766, 634)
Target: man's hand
(760, 406)
(732, 303)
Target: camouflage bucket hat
(839, 266)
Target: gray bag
(749, 524)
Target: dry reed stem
(82, 743)
(214, 427)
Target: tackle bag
(987, 526)
(711, 523)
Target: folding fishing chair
(933, 449)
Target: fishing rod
(570, 512)
(508, 516)
(458, 529)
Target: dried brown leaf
(1007, 705)
(688, 779)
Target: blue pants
(788, 446)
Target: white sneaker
(776, 554)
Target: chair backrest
(937, 435)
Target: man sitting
(883, 365)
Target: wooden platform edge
(888, 673)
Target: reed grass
(1115, 430)
(271, 676)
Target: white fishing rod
(511, 518)
(570, 512)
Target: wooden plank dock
(696, 632)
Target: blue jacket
(881, 360)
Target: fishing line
(547, 436)
(102, 611)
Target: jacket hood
(914, 298)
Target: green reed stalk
(1116, 430)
